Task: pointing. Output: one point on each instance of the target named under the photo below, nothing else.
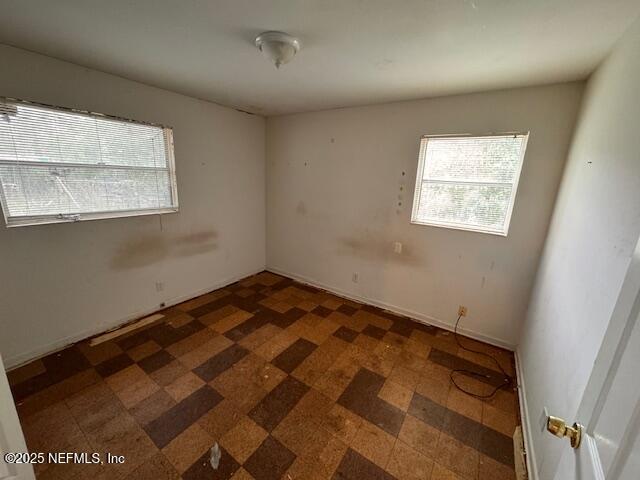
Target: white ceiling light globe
(279, 47)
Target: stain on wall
(301, 209)
(377, 247)
(151, 249)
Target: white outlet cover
(543, 419)
(397, 247)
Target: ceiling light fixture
(279, 47)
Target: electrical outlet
(542, 421)
(159, 286)
(462, 311)
(397, 247)
(355, 277)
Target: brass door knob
(559, 428)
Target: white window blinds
(60, 165)
(468, 182)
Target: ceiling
(354, 51)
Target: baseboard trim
(420, 317)
(532, 469)
(18, 360)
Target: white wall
(59, 283)
(595, 226)
(335, 180)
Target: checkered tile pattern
(292, 382)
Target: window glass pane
(42, 135)
(53, 190)
(472, 205)
(477, 159)
(468, 182)
(55, 162)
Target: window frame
(424, 142)
(30, 220)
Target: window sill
(49, 219)
(467, 228)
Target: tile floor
(291, 381)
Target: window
(59, 165)
(468, 182)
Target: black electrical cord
(508, 380)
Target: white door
(610, 407)
(11, 437)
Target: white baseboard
(422, 318)
(25, 357)
(532, 469)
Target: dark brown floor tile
(220, 362)
(365, 384)
(374, 332)
(114, 365)
(57, 392)
(463, 429)
(210, 307)
(497, 446)
(66, 362)
(361, 397)
(165, 335)
(58, 366)
(347, 309)
(355, 467)
(99, 353)
(270, 461)
(179, 417)
(385, 416)
(427, 410)
(294, 355)
(278, 403)
(155, 361)
(454, 362)
(288, 318)
(215, 316)
(346, 334)
(402, 327)
(133, 339)
(246, 328)
(25, 372)
(322, 311)
(31, 386)
(202, 470)
(141, 351)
